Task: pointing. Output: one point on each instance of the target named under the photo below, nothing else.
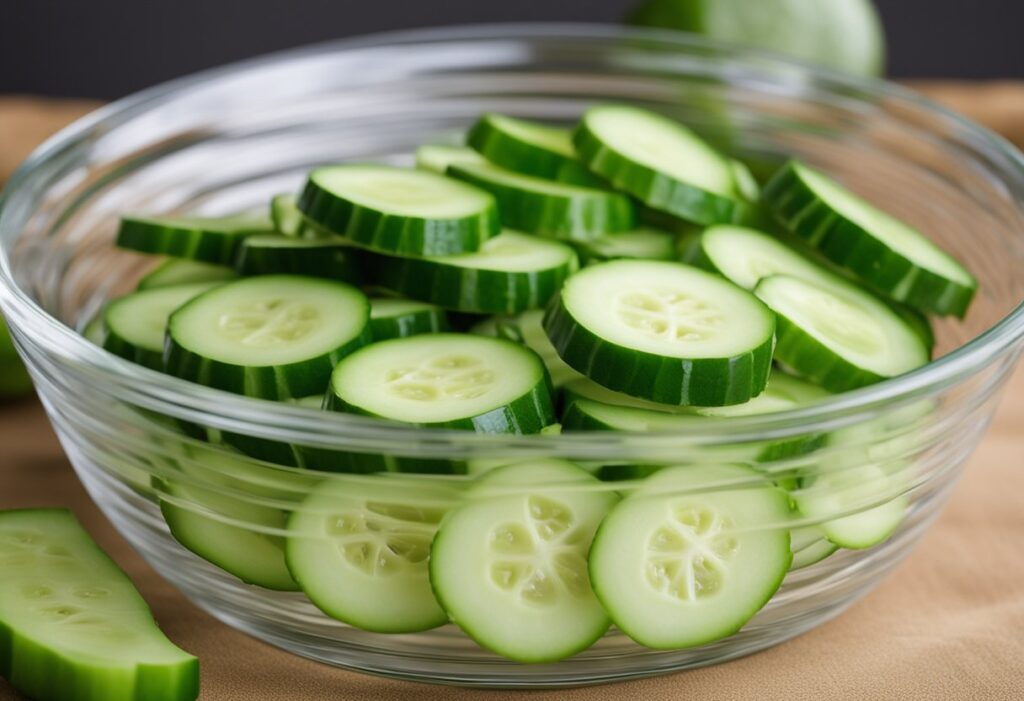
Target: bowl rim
(183, 399)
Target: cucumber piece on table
(209, 239)
(548, 208)
(884, 252)
(289, 221)
(487, 385)
(398, 210)
(397, 318)
(678, 566)
(359, 549)
(666, 332)
(528, 328)
(839, 337)
(437, 157)
(181, 271)
(270, 254)
(644, 244)
(661, 163)
(72, 625)
(511, 272)
(136, 324)
(272, 336)
(510, 565)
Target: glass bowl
(146, 445)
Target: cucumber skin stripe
(209, 246)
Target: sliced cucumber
(272, 336)
(548, 208)
(136, 324)
(72, 626)
(510, 566)
(810, 546)
(881, 250)
(523, 146)
(488, 385)
(289, 221)
(512, 272)
(528, 328)
(180, 271)
(391, 317)
(663, 331)
(840, 337)
(396, 210)
(96, 330)
(678, 566)
(213, 240)
(661, 163)
(360, 549)
(647, 244)
(437, 157)
(271, 254)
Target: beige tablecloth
(948, 625)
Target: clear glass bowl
(228, 139)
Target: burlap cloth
(949, 624)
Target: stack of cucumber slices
(516, 286)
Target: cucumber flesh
(859, 506)
(392, 317)
(212, 240)
(810, 546)
(74, 628)
(437, 157)
(180, 271)
(523, 146)
(290, 221)
(645, 244)
(528, 328)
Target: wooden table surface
(948, 624)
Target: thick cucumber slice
(330, 257)
(881, 250)
(810, 546)
(272, 336)
(136, 324)
(678, 566)
(289, 221)
(180, 271)
(395, 210)
(437, 157)
(663, 331)
(72, 626)
(487, 385)
(661, 163)
(645, 244)
(523, 146)
(528, 328)
(868, 500)
(397, 318)
(360, 549)
(840, 338)
(213, 240)
(548, 208)
(512, 272)
(510, 566)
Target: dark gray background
(107, 48)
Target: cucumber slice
(548, 208)
(678, 566)
(180, 271)
(213, 240)
(661, 163)
(523, 146)
(528, 328)
(840, 338)
(360, 548)
(510, 566)
(396, 210)
(810, 546)
(663, 331)
(512, 272)
(487, 385)
(289, 221)
(272, 336)
(645, 244)
(95, 331)
(72, 626)
(397, 318)
(136, 323)
(872, 499)
(884, 252)
(271, 254)
(437, 157)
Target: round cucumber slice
(677, 566)
(644, 244)
(136, 324)
(884, 252)
(510, 566)
(289, 221)
(548, 208)
(661, 163)
(359, 549)
(272, 336)
(487, 385)
(180, 271)
(396, 210)
(437, 157)
(666, 332)
(523, 146)
(511, 272)
(528, 328)
(271, 254)
(391, 317)
(213, 240)
(840, 338)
